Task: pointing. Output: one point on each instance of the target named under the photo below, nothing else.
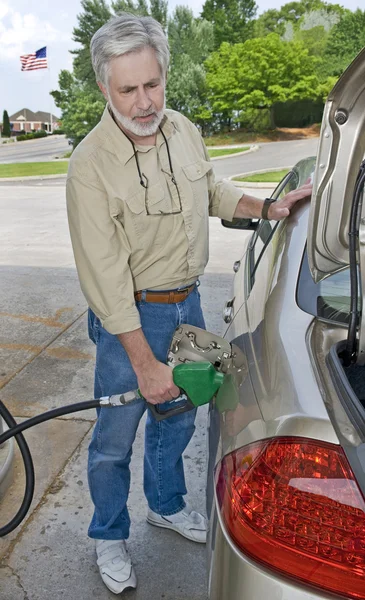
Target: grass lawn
(240, 136)
(268, 177)
(226, 151)
(36, 168)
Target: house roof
(28, 115)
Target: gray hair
(127, 33)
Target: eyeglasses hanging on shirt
(144, 181)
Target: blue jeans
(110, 449)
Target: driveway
(47, 361)
(270, 155)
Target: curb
(33, 177)
(56, 136)
(251, 149)
(253, 184)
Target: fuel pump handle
(198, 383)
(168, 409)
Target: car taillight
(293, 504)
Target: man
(140, 189)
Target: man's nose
(143, 100)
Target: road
(48, 361)
(43, 149)
(270, 155)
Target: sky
(27, 25)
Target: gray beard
(139, 129)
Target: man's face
(136, 91)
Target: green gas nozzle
(198, 382)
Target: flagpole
(50, 85)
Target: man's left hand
(250, 207)
(281, 209)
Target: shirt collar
(118, 143)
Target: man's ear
(103, 90)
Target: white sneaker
(188, 523)
(115, 565)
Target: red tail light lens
(293, 504)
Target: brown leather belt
(166, 297)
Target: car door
(336, 232)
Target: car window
(265, 229)
(329, 299)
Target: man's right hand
(156, 384)
(154, 377)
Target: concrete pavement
(42, 149)
(269, 155)
(47, 361)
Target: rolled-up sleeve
(102, 253)
(223, 196)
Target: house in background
(27, 120)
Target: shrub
(31, 136)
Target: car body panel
(284, 393)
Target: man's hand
(154, 378)
(156, 384)
(281, 209)
(250, 207)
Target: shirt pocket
(196, 173)
(145, 225)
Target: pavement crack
(72, 419)
(18, 581)
(41, 349)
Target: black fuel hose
(29, 474)
(15, 430)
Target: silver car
(286, 481)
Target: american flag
(36, 60)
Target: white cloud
(20, 34)
(4, 9)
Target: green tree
(186, 88)
(157, 10)
(191, 41)
(294, 11)
(96, 13)
(81, 105)
(232, 19)
(6, 132)
(188, 35)
(304, 15)
(136, 8)
(344, 42)
(270, 21)
(258, 73)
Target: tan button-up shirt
(127, 238)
